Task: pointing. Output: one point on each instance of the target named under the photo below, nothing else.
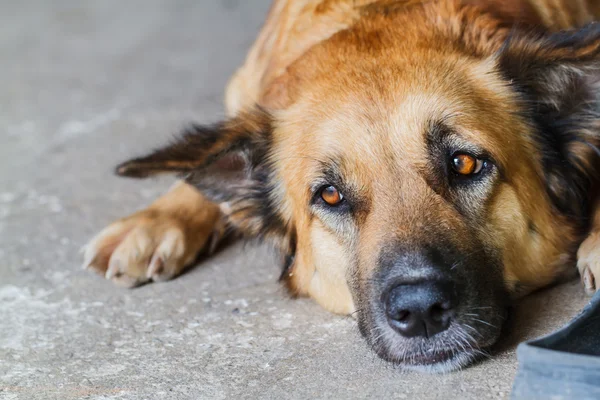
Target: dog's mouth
(432, 360)
(456, 358)
(462, 344)
(441, 361)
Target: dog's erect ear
(557, 77)
(228, 162)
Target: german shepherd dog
(419, 164)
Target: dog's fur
(374, 97)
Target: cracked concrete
(88, 84)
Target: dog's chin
(441, 362)
(439, 354)
(435, 362)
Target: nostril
(440, 312)
(403, 315)
(398, 315)
(436, 312)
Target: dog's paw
(588, 263)
(151, 245)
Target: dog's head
(420, 177)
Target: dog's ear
(234, 145)
(229, 163)
(557, 78)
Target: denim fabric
(564, 364)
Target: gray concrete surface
(87, 84)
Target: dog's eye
(331, 195)
(466, 165)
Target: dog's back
(292, 27)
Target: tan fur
(293, 27)
(326, 108)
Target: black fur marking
(532, 228)
(290, 257)
(558, 90)
(227, 162)
(249, 187)
(182, 149)
(436, 171)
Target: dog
(419, 165)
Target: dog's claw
(114, 268)
(156, 267)
(588, 263)
(88, 256)
(588, 281)
(86, 264)
(91, 262)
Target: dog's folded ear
(548, 65)
(229, 163)
(221, 160)
(557, 78)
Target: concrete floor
(88, 84)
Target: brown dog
(419, 163)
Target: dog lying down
(419, 164)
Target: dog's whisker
(485, 323)
(469, 335)
(475, 331)
(460, 342)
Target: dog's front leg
(157, 243)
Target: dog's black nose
(420, 309)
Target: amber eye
(466, 164)
(331, 195)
